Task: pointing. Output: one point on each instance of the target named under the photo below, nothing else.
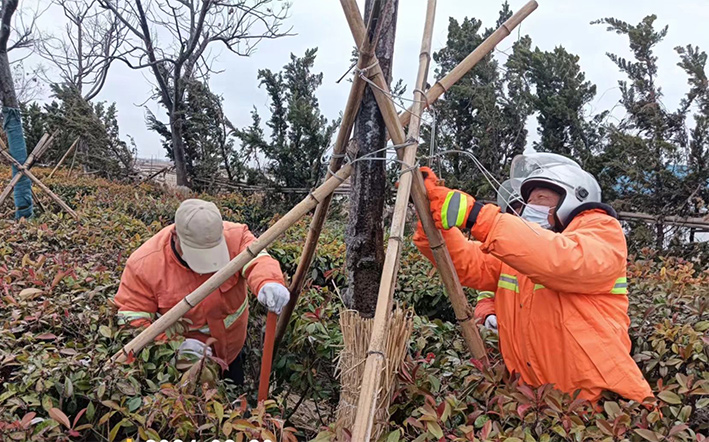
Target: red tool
(267, 357)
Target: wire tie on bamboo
(310, 193)
(335, 175)
(187, 302)
(364, 72)
(425, 97)
(376, 352)
(251, 252)
(468, 318)
(445, 89)
(397, 238)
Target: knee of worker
(193, 348)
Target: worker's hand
(274, 297)
(491, 323)
(193, 348)
(450, 208)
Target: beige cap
(200, 229)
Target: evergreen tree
(560, 94)
(300, 134)
(96, 124)
(207, 138)
(645, 160)
(485, 112)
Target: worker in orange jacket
(559, 277)
(180, 258)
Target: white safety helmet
(508, 194)
(531, 160)
(575, 186)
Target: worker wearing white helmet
(558, 272)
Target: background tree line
(653, 159)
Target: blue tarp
(12, 124)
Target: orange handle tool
(267, 357)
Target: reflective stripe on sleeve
(127, 316)
(261, 254)
(485, 295)
(620, 287)
(508, 282)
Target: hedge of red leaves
(57, 330)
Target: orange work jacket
(560, 299)
(155, 279)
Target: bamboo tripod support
(39, 150)
(66, 154)
(354, 101)
(40, 184)
(442, 257)
(188, 302)
(376, 353)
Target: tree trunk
(7, 86)
(178, 148)
(365, 233)
(12, 120)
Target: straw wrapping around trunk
(356, 334)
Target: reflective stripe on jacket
(560, 299)
(154, 281)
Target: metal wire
(488, 175)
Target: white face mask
(537, 214)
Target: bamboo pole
(164, 169)
(375, 362)
(36, 153)
(354, 100)
(36, 180)
(73, 159)
(66, 154)
(236, 264)
(473, 58)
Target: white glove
(193, 347)
(274, 297)
(491, 323)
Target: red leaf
(525, 390)
(46, 337)
(78, 416)
(59, 416)
(27, 418)
(522, 409)
(222, 363)
(441, 408)
(487, 428)
(130, 357)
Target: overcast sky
(321, 24)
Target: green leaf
(114, 431)
(68, 388)
(612, 409)
(480, 421)
(670, 397)
(394, 436)
(134, 403)
(101, 390)
(434, 429)
(701, 326)
(90, 411)
(649, 435)
(218, 410)
(105, 331)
